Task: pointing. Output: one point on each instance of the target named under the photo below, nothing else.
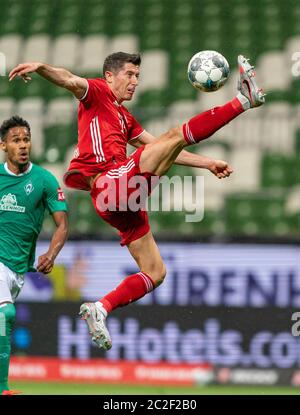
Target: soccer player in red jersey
(105, 127)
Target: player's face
(17, 145)
(124, 82)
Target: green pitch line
(92, 389)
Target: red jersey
(104, 129)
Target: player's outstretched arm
(219, 168)
(59, 76)
(46, 261)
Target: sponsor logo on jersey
(60, 194)
(28, 188)
(9, 203)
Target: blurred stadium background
(224, 315)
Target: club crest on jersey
(28, 188)
(9, 203)
(60, 195)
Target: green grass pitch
(37, 388)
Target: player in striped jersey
(105, 127)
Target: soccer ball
(208, 70)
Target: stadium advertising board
(232, 304)
(219, 337)
(255, 276)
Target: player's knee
(175, 133)
(8, 312)
(159, 274)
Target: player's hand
(220, 168)
(23, 69)
(45, 263)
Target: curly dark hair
(116, 61)
(14, 121)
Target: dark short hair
(14, 121)
(116, 61)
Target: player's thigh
(5, 292)
(159, 155)
(11, 284)
(148, 258)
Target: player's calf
(158, 274)
(129, 290)
(7, 319)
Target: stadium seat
(65, 51)
(297, 142)
(278, 130)
(6, 88)
(294, 173)
(294, 92)
(168, 223)
(293, 222)
(211, 224)
(154, 72)
(97, 20)
(33, 89)
(214, 188)
(207, 101)
(57, 139)
(36, 48)
(7, 106)
(83, 217)
(61, 111)
(68, 155)
(275, 170)
(128, 43)
(57, 169)
(250, 214)
(10, 46)
(246, 164)
(154, 99)
(281, 78)
(13, 21)
(151, 39)
(292, 49)
(31, 109)
(67, 18)
(292, 205)
(181, 111)
(39, 21)
(94, 50)
(78, 34)
(51, 91)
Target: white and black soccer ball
(208, 70)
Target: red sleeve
(93, 93)
(135, 130)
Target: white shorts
(11, 284)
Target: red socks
(205, 124)
(131, 289)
